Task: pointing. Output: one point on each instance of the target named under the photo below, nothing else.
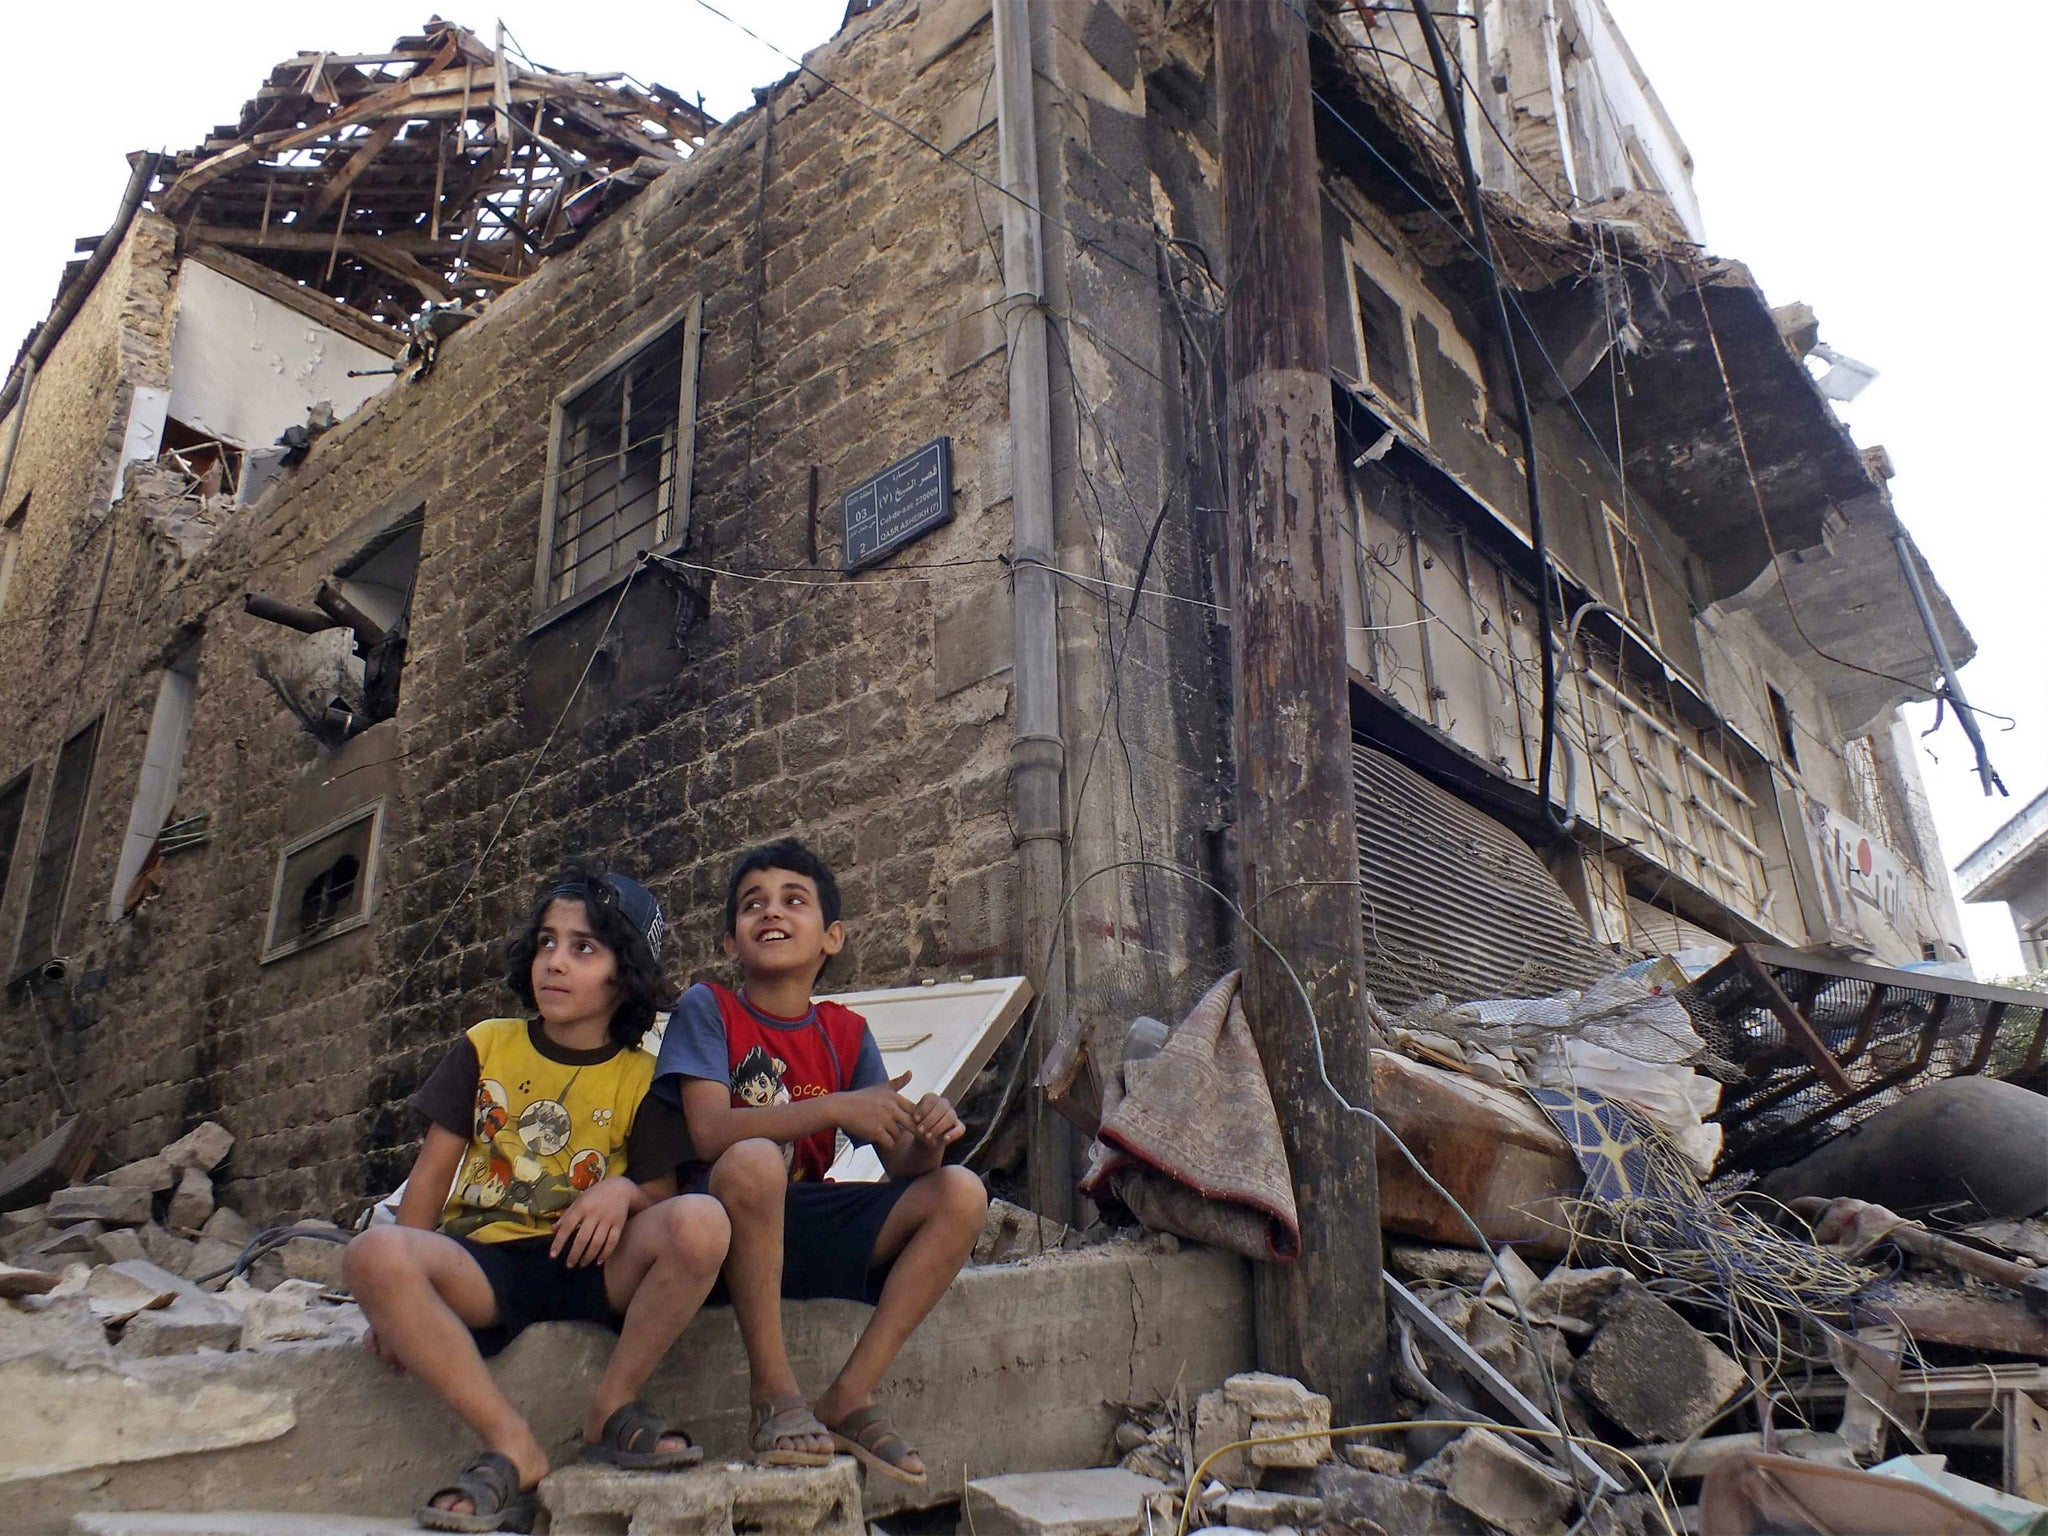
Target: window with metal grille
(13, 801)
(619, 461)
(325, 883)
(57, 851)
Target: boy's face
(778, 928)
(575, 975)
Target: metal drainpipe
(1965, 716)
(1037, 749)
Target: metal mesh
(1891, 1032)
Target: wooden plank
(59, 1159)
(2026, 1447)
(364, 152)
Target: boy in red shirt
(767, 1081)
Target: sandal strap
(490, 1483)
(635, 1429)
(870, 1429)
(785, 1418)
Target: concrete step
(715, 1500)
(233, 1522)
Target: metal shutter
(1454, 902)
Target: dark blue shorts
(530, 1287)
(828, 1238)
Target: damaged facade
(259, 852)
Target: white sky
(1867, 156)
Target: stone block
(1576, 1293)
(1098, 1501)
(205, 1147)
(64, 1332)
(1487, 1477)
(1652, 1372)
(1280, 1405)
(1438, 1266)
(1011, 1233)
(941, 26)
(1369, 1500)
(311, 1258)
(706, 1501)
(75, 1238)
(192, 1204)
(117, 1292)
(155, 1174)
(118, 1243)
(161, 1247)
(1218, 1422)
(288, 1314)
(1261, 1511)
(972, 639)
(237, 1522)
(24, 1238)
(28, 1216)
(209, 1256)
(193, 1321)
(115, 1205)
(1373, 1458)
(228, 1226)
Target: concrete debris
(2028, 1239)
(238, 1522)
(1218, 1422)
(1373, 1458)
(1575, 1293)
(13, 1222)
(1396, 1505)
(193, 1203)
(166, 1248)
(1101, 1501)
(290, 1313)
(118, 1243)
(205, 1147)
(156, 1174)
(1280, 1405)
(1254, 1510)
(1012, 1233)
(1438, 1266)
(192, 1321)
(117, 1292)
(113, 1205)
(707, 1501)
(74, 1238)
(1652, 1372)
(1488, 1477)
(209, 1256)
(226, 1225)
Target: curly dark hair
(784, 853)
(643, 987)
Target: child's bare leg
(929, 1234)
(422, 1295)
(750, 1180)
(665, 1265)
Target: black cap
(637, 904)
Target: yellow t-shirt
(548, 1124)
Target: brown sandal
(785, 1418)
(868, 1434)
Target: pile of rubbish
(144, 1257)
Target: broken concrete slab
(1652, 1372)
(292, 1312)
(1257, 1510)
(238, 1523)
(1218, 1422)
(1098, 1501)
(191, 1322)
(706, 1501)
(1393, 1504)
(156, 1174)
(60, 1416)
(116, 1206)
(1489, 1478)
(192, 1204)
(1280, 1405)
(205, 1147)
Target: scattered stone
(1101, 1501)
(291, 1312)
(64, 1328)
(118, 1291)
(24, 1282)
(209, 1256)
(2027, 1237)
(1280, 1405)
(311, 1258)
(708, 1501)
(28, 1216)
(1218, 1421)
(1256, 1511)
(193, 1203)
(1371, 1500)
(1511, 1277)
(1012, 1233)
(1373, 1458)
(228, 1225)
(204, 1148)
(1438, 1266)
(1652, 1372)
(118, 1243)
(1491, 1479)
(1575, 1293)
(154, 1174)
(238, 1522)
(24, 1238)
(193, 1321)
(76, 1238)
(161, 1247)
(117, 1207)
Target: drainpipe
(1952, 685)
(14, 395)
(1037, 750)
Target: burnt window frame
(17, 789)
(58, 897)
(1393, 325)
(688, 319)
(1624, 544)
(275, 948)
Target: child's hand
(935, 1124)
(592, 1226)
(879, 1114)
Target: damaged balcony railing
(1824, 1043)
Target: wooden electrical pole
(1322, 1319)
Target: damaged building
(456, 464)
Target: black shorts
(531, 1287)
(828, 1239)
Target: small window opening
(325, 883)
(1631, 572)
(13, 803)
(211, 467)
(1781, 719)
(1383, 340)
(10, 545)
(57, 852)
(1930, 951)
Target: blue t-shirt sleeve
(868, 1069)
(694, 1043)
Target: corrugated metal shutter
(1454, 902)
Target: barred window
(57, 850)
(619, 460)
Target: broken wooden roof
(439, 170)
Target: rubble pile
(145, 1257)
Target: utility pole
(1322, 1319)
